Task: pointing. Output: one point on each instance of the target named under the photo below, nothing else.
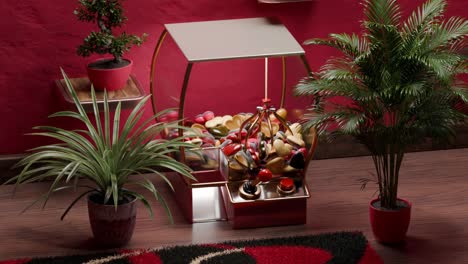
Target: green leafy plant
(104, 155)
(398, 81)
(107, 14)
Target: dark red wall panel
(39, 36)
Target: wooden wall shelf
(129, 96)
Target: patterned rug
(342, 247)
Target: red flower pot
(111, 228)
(390, 226)
(102, 76)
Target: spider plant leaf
(71, 136)
(142, 199)
(150, 186)
(83, 115)
(106, 158)
(116, 127)
(174, 165)
(72, 91)
(74, 202)
(160, 175)
(96, 112)
(144, 125)
(107, 194)
(61, 157)
(76, 182)
(134, 116)
(44, 196)
(115, 190)
(29, 173)
(73, 172)
(57, 181)
(106, 119)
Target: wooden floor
(436, 182)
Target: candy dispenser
(248, 164)
(267, 160)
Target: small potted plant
(108, 73)
(102, 160)
(398, 82)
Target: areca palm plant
(105, 155)
(399, 83)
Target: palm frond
(443, 64)
(424, 16)
(384, 12)
(339, 69)
(461, 92)
(350, 45)
(447, 32)
(399, 90)
(334, 87)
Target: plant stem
(117, 59)
(376, 160)
(400, 156)
(386, 178)
(101, 24)
(392, 201)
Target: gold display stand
(214, 41)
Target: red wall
(39, 36)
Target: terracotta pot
(390, 226)
(112, 228)
(109, 79)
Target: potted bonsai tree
(102, 160)
(398, 85)
(109, 73)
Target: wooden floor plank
(436, 182)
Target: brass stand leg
(312, 130)
(309, 73)
(153, 67)
(313, 145)
(183, 93)
(283, 88)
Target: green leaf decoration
(104, 154)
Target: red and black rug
(343, 247)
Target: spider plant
(104, 155)
(398, 80)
